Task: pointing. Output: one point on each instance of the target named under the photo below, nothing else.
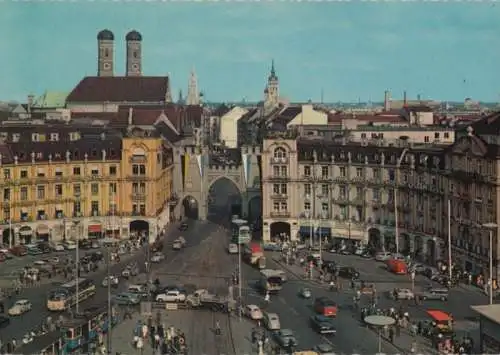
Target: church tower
(105, 49)
(271, 93)
(193, 96)
(134, 53)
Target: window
(58, 190)
(54, 137)
(6, 213)
(94, 172)
(276, 206)
(94, 205)
(77, 208)
(359, 172)
(392, 175)
(6, 174)
(363, 135)
(58, 172)
(76, 170)
(307, 189)
(276, 189)
(307, 206)
(138, 169)
(284, 206)
(94, 189)
(376, 194)
(112, 170)
(344, 212)
(359, 192)
(35, 137)
(135, 209)
(112, 188)
(446, 135)
(426, 139)
(16, 137)
(436, 135)
(324, 189)
(142, 209)
(24, 193)
(377, 174)
(284, 171)
(280, 189)
(324, 207)
(307, 170)
(40, 172)
(276, 171)
(280, 153)
(77, 190)
(24, 174)
(343, 171)
(40, 192)
(343, 191)
(324, 171)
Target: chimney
(405, 101)
(130, 116)
(387, 100)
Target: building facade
(59, 182)
(388, 195)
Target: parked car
(183, 227)
(418, 268)
(69, 245)
(383, 256)
(285, 338)
(171, 296)
(253, 312)
(322, 324)
(271, 321)
(126, 299)
(20, 307)
(19, 250)
(84, 244)
(58, 247)
(34, 251)
(233, 248)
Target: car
(432, 293)
(272, 247)
(39, 262)
(253, 312)
(418, 268)
(84, 244)
(126, 299)
(403, 294)
(6, 253)
(348, 272)
(58, 247)
(183, 227)
(69, 245)
(114, 281)
(305, 293)
(285, 338)
(4, 321)
(325, 307)
(398, 256)
(95, 245)
(383, 256)
(322, 324)
(157, 257)
(34, 251)
(20, 307)
(171, 296)
(367, 255)
(232, 248)
(360, 250)
(324, 349)
(271, 321)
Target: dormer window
(39, 155)
(54, 137)
(35, 137)
(16, 137)
(74, 136)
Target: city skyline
(345, 51)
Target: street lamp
(491, 227)
(77, 263)
(395, 196)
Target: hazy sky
(351, 51)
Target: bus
(270, 281)
(65, 296)
(240, 232)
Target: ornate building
(389, 195)
(271, 92)
(102, 180)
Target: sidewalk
(241, 333)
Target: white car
(253, 312)
(232, 248)
(39, 262)
(20, 307)
(271, 321)
(157, 257)
(58, 247)
(171, 296)
(383, 256)
(95, 245)
(114, 281)
(404, 294)
(69, 245)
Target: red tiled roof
(148, 115)
(120, 89)
(97, 115)
(337, 118)
(193, 114)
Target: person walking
(217, 328)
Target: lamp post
(395, 196)
(77, 264)
(491, 227)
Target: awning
(95, 228)
(42, 229)
(305, 230)
(324, 231)
(439, 316)
(25, 230)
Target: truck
(254, 255)
(202, 298)
(179, 243)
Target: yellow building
(61, 181)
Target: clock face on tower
(135, 66)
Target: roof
(147, 115)
(133, 36)
(489, 311)
(106, 35)
(40, 343)
(488, 125)
(167, 132)
(439, 316)
(51, 99)
(120, 89)
(375, 118)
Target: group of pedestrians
(163, 340)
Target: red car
(325, 306)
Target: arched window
(280, 152)
(106, 52)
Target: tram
(46, 344)
(86, 328)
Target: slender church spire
(168, 94)
(193, 96)
(180, 99)
(271, 93)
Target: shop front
(43, 233)
(305, 232)
(95, 230)
(25, 234)
(112, 231)
(325, 233)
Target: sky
(347, 51)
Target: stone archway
(430, 255)
(279, 230)
(405, 244)
(375, 239)
(8, 237)
(224, 200)
(139, 228)
(418, 251)
(254, 209)
(190, 205)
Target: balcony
(138, 159)
(359, 180)
(280, 214)
(307, 177)
(138, 196)
(278, 160)
(77, 214)
(340, 200)
(278, 178)
(137, 177)
(276, 196)
(340, 179)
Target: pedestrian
(267, 297)
(391, 335)
(217, 328)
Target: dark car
(4, 321)
(322, 324)
(95, 256)
(44, 247)
(348, 272)
(84, 244)
(183, 227)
